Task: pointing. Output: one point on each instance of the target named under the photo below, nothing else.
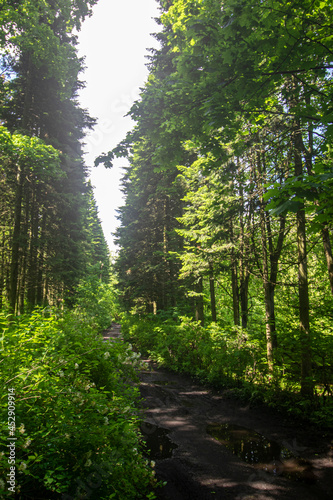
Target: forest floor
(260, 454)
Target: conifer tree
(242, 89)
(45, 255)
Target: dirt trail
(112, 333)
(201, 468)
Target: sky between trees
(114, 42)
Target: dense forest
(228, 213)
(68, 401)
(50, 232)
(225, 265)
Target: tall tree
(39, 99)
(239, 96)
(148, 273)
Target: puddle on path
(163, 382)
(158, 443)
(257, 450)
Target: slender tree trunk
(212, 294)
(25, 243)
(303, 287)
(40, 266)
(234, 279)
(199, 304)
(328, 254)
(275, 254)
(270, 257)
(244, 263)
(244, 280)
(306, 373)
(234, 285)
(46, 292)
(165, 255)
(32, 267)
(22, 283)
(244, 299)
(267, 288)
(15, 249)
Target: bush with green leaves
(215, 354)
(229, 356)
(75, 409)
(96, 302)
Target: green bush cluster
(217, 355)
(75, 409)
(96, 302)
(236, 358)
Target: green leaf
(288, 206)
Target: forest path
(196, 466)
(113, 332)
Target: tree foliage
(238, 101)
(51, 234)
(59, 378)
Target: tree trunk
(270, 257)
(234, 279)
(275, 254)
(33, 250)
(234, 285)
(40, 266)
(199, 304)
(328, 254)
(267, 289)
(212, 294)
(306, 372)
(165, 289)
(22, 283)
(15, 250)
(244, 301)
(303, 287)
(244, 263)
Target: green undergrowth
(74, 401)
(236, 359)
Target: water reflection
(158, 443)
(257, 450)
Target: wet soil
(200, 438)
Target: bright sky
(114, 42)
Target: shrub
(96, 302)
(214, 354)
(232, 357)
(75, 410)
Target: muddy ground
(196, 466)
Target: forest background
(58, 378)
(225, 267)
(228, 213)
